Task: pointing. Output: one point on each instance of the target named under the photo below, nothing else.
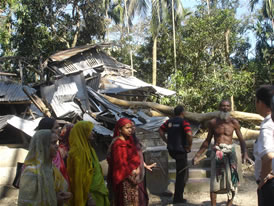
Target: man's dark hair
(46, 123)
(178, 110)
(225, 100)
(264, 94)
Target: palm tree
(267, 9)
(160, 11)
(156, 20)
(178, 13)
(123, 13)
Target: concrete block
(7, 175)
(10, 156)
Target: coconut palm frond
(253, 3)
(137, 7)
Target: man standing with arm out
(224, 176)
(179, 141)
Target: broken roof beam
(38, 103)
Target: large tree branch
(248, 134)
(199, 117)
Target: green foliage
(212, 52)
(206, 72)
(263, 64)
(204, 95)
(38, 28)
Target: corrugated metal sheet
(154, 123)
(93, 81)
(61, 95)
(79, 63)
(109, 61)
(3, 120)
(85, 58)
(26, 126)
(98, 128)
(13, 92)
(66, 54)
(104, 101)
(119, 84)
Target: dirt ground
(246, 195)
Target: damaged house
(83, 75)
(76, 81)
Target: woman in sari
(124, 165)
(52, 124)
(63, 147)
(41, 184)
(86, 177)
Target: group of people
(69, 173)
(62, 168)
(176, 132)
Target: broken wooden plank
(38, 103)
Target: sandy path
(246, 196)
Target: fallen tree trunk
(248, 134)
(246, 116)
(135, 105)
(168, 111)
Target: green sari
(98, 189)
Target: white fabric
(264, 144)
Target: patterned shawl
(79, 163)
(37, 181)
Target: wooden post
(21, 72)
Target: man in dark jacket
(179, 141)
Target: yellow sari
(60, 183)
(83, 168)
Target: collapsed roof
(81, 74)
(12, 92)
(102, 72)
(89, 59)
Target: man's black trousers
(181, 178)
(266, 194)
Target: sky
(243, 10)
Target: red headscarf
(119, 124)
(124, 156)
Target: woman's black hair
(46, 123)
